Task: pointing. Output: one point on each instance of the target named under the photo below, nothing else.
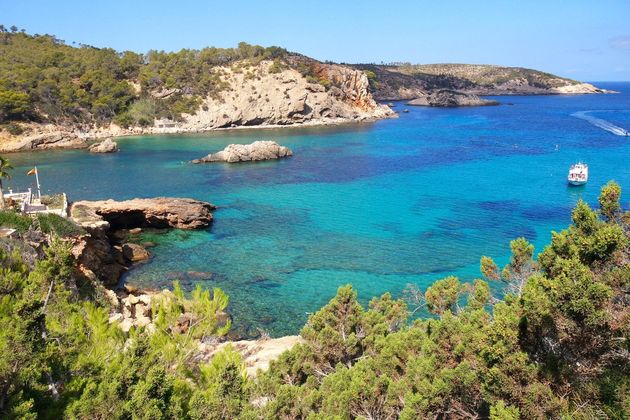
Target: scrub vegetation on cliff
(554, 345)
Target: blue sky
(587, 40)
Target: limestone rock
(258, 150)
(130, 300)
(112, 298)
(126, 324)
(142, 321)
(116, 317)
(162, 212)
(106, 146)
(96, 258)
(145, 299)
(142, 310)
(135, 253)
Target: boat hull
(576, 183)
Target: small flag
(32, 172)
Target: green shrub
(276, 66)
(14, 220)
(57, 225)
(14, 129)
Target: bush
(14, 129)
(143, 112)
(276, 66)
(57, 225)
(14, 220)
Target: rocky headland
(448, 85)
(256, 151)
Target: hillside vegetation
(556, 345)
(43, 79)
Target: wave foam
(603, 124)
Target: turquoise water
(378, 205)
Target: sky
(581, 39)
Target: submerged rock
(106, 146)
(258, 150)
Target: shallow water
(379, 205)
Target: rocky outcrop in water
(135, 253)
(106, 146)
(256, 151)
(162, 212)
(449, 98)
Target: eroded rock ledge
(161, 212)
(256, 151)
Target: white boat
(578, 174)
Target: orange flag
(32, 172)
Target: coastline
(51, 136)
(64, 139)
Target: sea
(381, 205)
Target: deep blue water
(378, 205)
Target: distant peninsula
(54, 95)
(464, 82)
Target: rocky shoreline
(104, 252)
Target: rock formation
(450, 98)
(96, 258)
(162, 212)
(307, 92)
(106, 146)
(258, 150)
(135, 253)
(99, 253)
